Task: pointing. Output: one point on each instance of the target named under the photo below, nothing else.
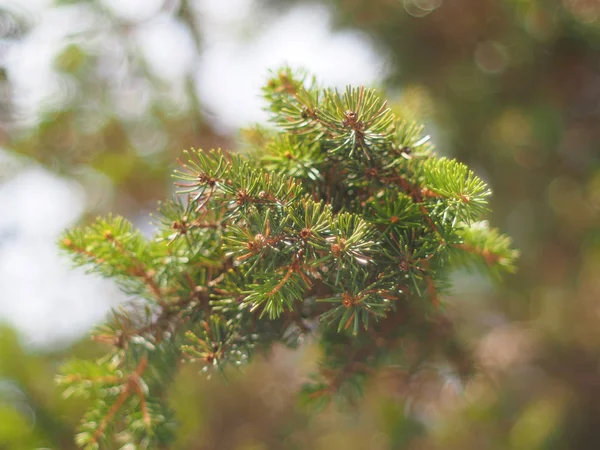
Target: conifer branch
(342, 224)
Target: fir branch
(341, 223)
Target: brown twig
(143, 404)
(111, 379)
(139, 269)
(490, 258)
(288, 274)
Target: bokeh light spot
(491, 57)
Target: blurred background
(98, 98)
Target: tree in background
(108, 109)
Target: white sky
(39, 294)
(231, 71)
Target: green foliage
(340, 224)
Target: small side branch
(489, 257)
(133, 383)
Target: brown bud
(242, 197)
(348, 300)
(372, 172)
(337, 249)
(404, 266)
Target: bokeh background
(98, 98)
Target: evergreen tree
(338, 224)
